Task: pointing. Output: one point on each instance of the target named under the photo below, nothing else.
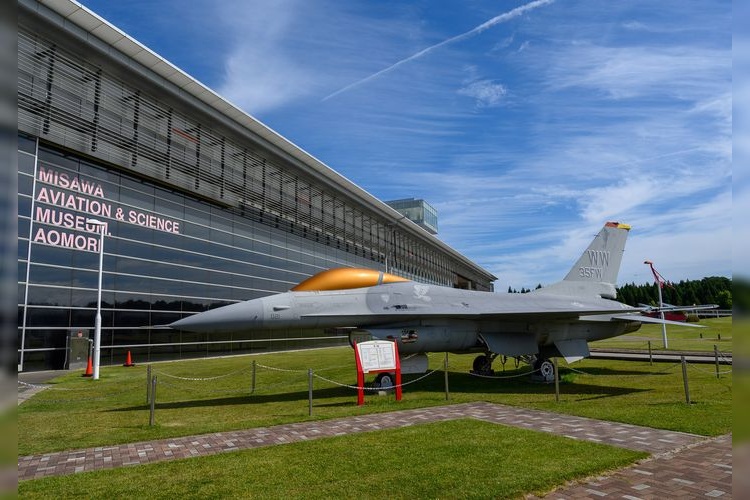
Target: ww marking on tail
(599, 257)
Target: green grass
(9, 431)
(717, 331)
(78, 412)
(741, 427)
(8, 449)
(456, 459)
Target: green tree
(724, 299)
(685, 293)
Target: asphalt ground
(680, 464)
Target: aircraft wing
(648, 319)
(671, 308)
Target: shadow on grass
(248, 399)
(657, 370)
(468, 384)
(459, 382)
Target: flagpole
(661, 314)
(659, 280)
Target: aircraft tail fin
(595, 272)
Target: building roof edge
(87, 20)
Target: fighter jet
(674, 313)
(557, 320)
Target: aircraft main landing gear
(544, 371)
(483, 365)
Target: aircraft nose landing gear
(385, 381)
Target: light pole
(98, 321)
(659, 282)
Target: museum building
(201, 205)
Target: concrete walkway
(29, 383)
(681, 463)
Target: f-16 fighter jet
(558, 320)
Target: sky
(527, 124)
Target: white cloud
(635, 26)
(681, 72)
(501, 18)
(636, 133)
(486, 93)
(260, 83)
(260, 72)
(292, 50)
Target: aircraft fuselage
(421, 318)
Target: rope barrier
(274, 369)
(67, 389)
(723, 356)
(478, 375)
(204, 379)
(338, 367)
(81, 400)
(266, 388)
(329, 368)
(355, 387)
(231, 391)
(668, 368)
(712, 372)
(35, 386)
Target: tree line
(711, 290)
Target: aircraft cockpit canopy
(345, 278)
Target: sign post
(376, 356)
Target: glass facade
(166, 254)
(418, 211)
(197, 214)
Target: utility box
(79, 347)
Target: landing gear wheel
(482, 365)
(385, 381)
(545, 370)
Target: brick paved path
(703, 470)
(106, 457)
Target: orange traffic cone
(89, 369)
(129, 360)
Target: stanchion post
(557, 381)
(310, 389)
(650, 357)
(148, 384)
(716, 359)
(252, 387)
(685, 379)
(445, 369)
(153, 402)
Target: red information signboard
(376, 356)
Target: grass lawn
(741, 427)
(78, 412)
(456, 459)
(717, 331)
(9, 431)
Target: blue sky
(526, 124)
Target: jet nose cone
(240, 316)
